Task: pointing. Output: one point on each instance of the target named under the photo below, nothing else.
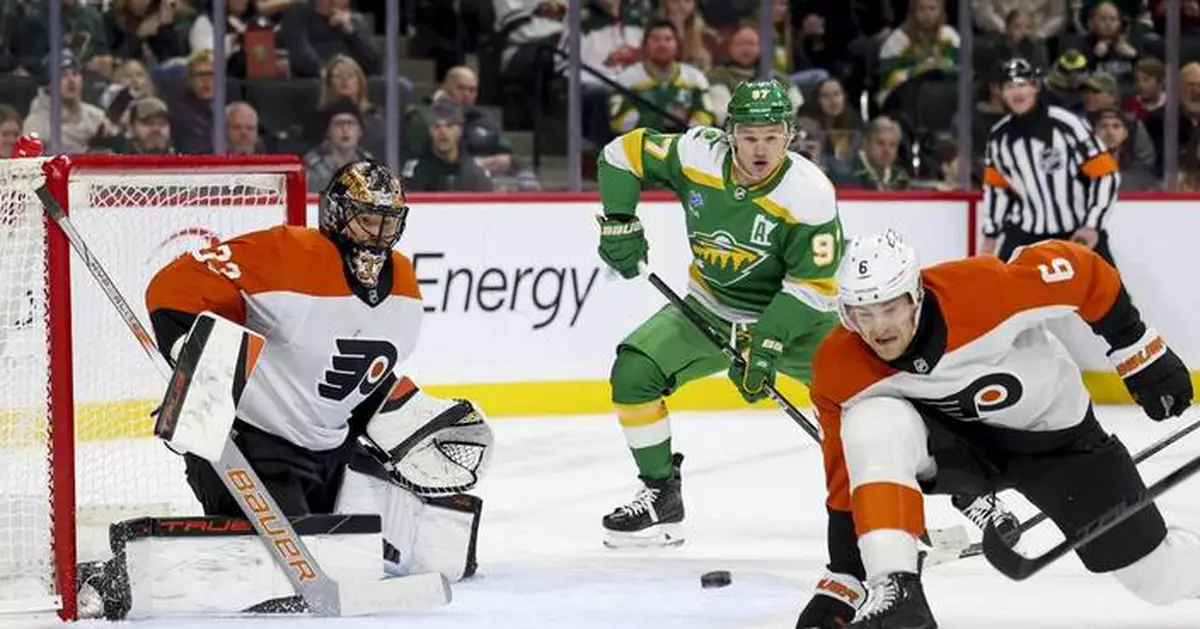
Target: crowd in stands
(873, 82)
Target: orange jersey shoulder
(976, 295)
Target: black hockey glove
(834, 603)
(1155, 376)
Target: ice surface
(754, 492)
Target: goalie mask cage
(76, 391)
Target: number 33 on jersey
(328, 345)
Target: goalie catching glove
(434, 447)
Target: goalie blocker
(409, 458)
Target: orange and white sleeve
(213, 279)
(1058, 272)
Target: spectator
(1019, 40)
(1112, 126)
(923, 43)
(695, 36)
(315, 33)
(482, 136)
(343, 79)
(149, 129)
(781, 19)
(1049, 16)
(14, 50)
(1189, 16)
(241, 129)
(523, 28)
(1189, 115)
(1151, 92)
(815, 55)
(129, 75)
(1107, 46)
(83, 31)
(841, 122)
(1064, 81)
(989, 109)
(82, 122)
(10, 130)
(1189, 165)
(1100, 93)
(1135, 13)
(191, 113)
(247, 15)
(608, 46)
(153, 31)
(874, 167)
(677, 88)
(741, 64)
(446, 166)
(809, 141)
(343, 134)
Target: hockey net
(76, 451)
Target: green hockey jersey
(774, 245)
(683, 93)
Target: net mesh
(26, 561)
(134, 223)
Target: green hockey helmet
(759, 103)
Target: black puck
(715, 579)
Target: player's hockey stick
(1147, 452)
(287, 549)
(1018, 567)
(730, 353)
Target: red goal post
(75, 445)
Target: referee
(1046, 174)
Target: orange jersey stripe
(880, 506)
(1099, 166)
(993, 177)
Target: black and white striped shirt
(1047, 174)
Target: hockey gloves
(758, 367)
(622, 243)
(1155, 376)
(833, 605)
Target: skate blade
(659, 535)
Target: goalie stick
(976, 549)
(1018, 567)
(322, 594)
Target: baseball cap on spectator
(343, 106)
(444, 110)
(1101, 81)
(147, 107)
(68, 61)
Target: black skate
(896, 601)
(989, 508)
(653, 518)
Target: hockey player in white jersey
(338, 311)
(944, 380)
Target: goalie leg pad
(422, 535)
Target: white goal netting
(135, 219)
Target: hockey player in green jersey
(766, 240)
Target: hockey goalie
(319, 409)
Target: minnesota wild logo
(721, 259)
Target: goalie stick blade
(404, 594)
(1018, 567)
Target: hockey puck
(715, 579)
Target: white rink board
(515, 291)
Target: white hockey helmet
(875, 269)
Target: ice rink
(753, 487)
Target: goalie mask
(436, 447)
(363, 211)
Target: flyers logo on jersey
(987, 394)
(359, 363)
(721, 259)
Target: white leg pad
(885, 440)
(428, 537)
(1168, 574)
(886, 551)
